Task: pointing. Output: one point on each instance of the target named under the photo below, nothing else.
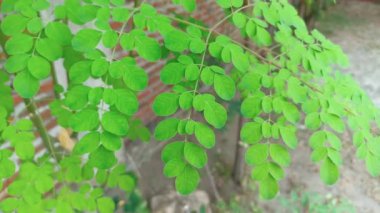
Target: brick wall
(207, 11)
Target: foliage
(277, 89)
(314, 202)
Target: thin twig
(212, 183)
(38, 123)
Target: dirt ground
(355, 25)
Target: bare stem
(212, 183)
(38, 123)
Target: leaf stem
(38, 123)
(210, 31)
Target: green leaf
(335, 122)
(126, 183)
(115, 123)
(239, 59)
(120, 14)
(319, 154)
(263, 37)
(207, 76)
(224, 87)
(257, 154)
(26, 85)
(138, 131)
(40, 5)
(102, 158)
(136, 78)
(165, 104)
(276, 171)
(266, 129)
(251, 107)
(205, 135)
(16, 187)
(87, 143)
(373, 165)
(44, 183)
(80, 72)
(251, 133)
(317, 139)
(106, 205)
(166, 129)
(374, 146)
(99, 67)
(229, 3)
(118, 68)
(195, 155)
(110, 96)
(288, 135)
(267, 104)
(215, 114)
(275, 131)
(110, 141)
(60, 12)
(268, 188)
(187, 181)
(189, 5)
(126, 102)
(172, 73)
(329, 172)
(291, 112)
(148, 48)
(110, 39)
(86, 40)
(197, 46)
(35, 25)
(174, 167)
(176, 41)
(49, 49)
(313, 121)
(16, 63)
(13, 24)
(174, 150)
(118, 2)
(39, 67)
(59, 32)
(186, 100)
(84, 120)
(334, 141)
(192, 72)
(239, 20)
(77, 97)
(280, 155)
(25, 151)
(335, 156)
(237, 3)
(19, 44)
(7, 167)
(9, 204)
